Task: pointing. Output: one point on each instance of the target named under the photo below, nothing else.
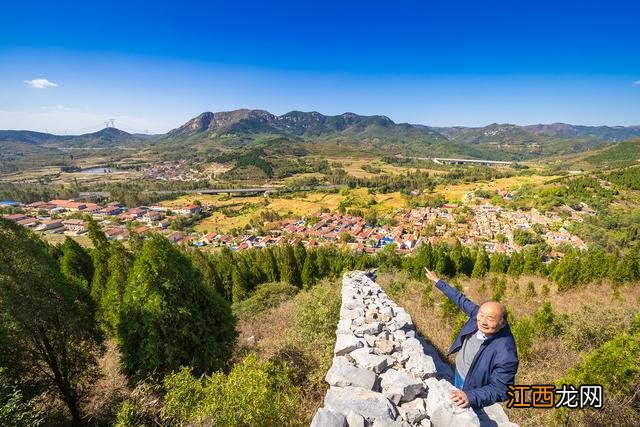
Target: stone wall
(383, 373)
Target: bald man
(487, 360)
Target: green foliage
(289, 271)
(516, 265)
(317, 313)
(48, 330)
(498, 263)
(266, 296)
(523, 331)
(481, 265)
(253, 393)
(15, 410)
(499, 287)
(100, 255)
(524, 237)
(170, 318)
(76, 263)
(119, 264)
(531, 290)
(457, 323)
(309, 270)
(547, 323)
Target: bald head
(492, 316)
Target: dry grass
(551, 357)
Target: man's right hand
(431, 275)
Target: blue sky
(153, 65)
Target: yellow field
(454, 193)
(295, 207)
(313, 202)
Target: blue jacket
(496, 363)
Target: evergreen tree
(289, 271)
(75, 262)
(119, 264)
(567, 273)
(516, 264)
(50, 336)
(481, 266)
(100, 255)
(301, 254)
(240, 288)
(268, 265)
(498, 263)
(170, 318)
(309, 270)
(322, 262)
(532, 263)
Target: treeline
(57, 305)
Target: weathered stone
(346, 344)
(412, 345)
(365, 359)
(413, 411)
(420, 365)
(371, 314)
(327, 418)
(399, 336)
(368, 328)
(344, 326)
(389, 423)
(342, 373)
(399, 386)
(351, 314)
(403, 319)
(355, 420)
(442, 411)
(384, 346)
(369, 404)
(410, 334)
(370, 339)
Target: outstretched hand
(431, 275)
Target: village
(473, 222)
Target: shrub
(265, 297)
(523, 335)
(254, 393)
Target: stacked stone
(380, 374)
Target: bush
(254, 393)
(522, 331)
(317, 313)
(547, 323)
(266, 296)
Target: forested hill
(356, 133)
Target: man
(487, 360)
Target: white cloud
(40, 83)
(58, 107)
(636, 83)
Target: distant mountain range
(504, 141)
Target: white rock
(342, 373)
(442, 411)
(369, 404)
(421, 365)
(368, 328)
(399, 386)
(346, 344)
(365, 359)
(355, 420)
(327, 418)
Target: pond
(101, 170)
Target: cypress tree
(76, 262)
(310, 270)
(120, 262)
(170, 318)
(481, 266)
